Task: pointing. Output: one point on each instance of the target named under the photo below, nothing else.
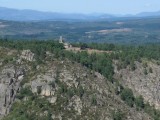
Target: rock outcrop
(27, 55)
(145, 81)
(80, 92)
(10, 79)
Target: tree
(127, 96)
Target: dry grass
(90, 51)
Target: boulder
(27, 55)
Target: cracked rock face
(68, 78)
(10, 78)
(147, 85)
(42, 83)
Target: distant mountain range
(28, 15)
(33, 15)
(147, 14)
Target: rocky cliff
(87, 94)
(144, 80)
(61, 89)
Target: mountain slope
(61, 89)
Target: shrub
(117, 115)
(52, 83)
(127, 96)
(139, 102)
(94, 100)
(145, 71)
(80, 91)
(150, 70)
(24, 92)
(39, 89)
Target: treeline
(39, 48)
(100, 46)
(49, 45)
(126, 55)
(136, 52)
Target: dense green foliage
(34, 45)
(126, 53)
(100, 46)
(38, 47)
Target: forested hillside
(61, 84)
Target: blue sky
(85, 6)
